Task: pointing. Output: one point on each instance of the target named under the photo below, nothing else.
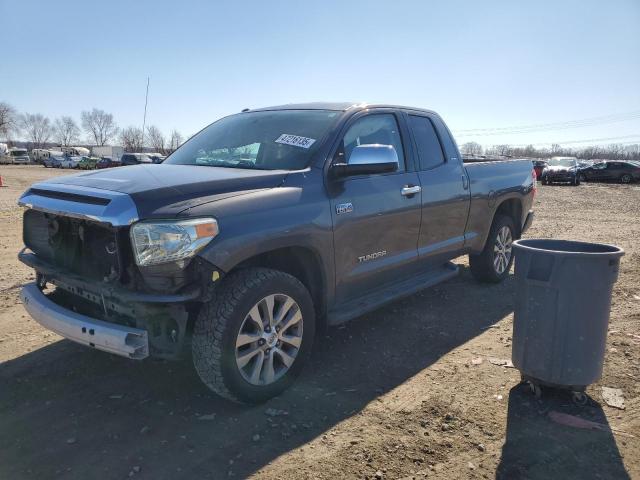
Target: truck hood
(167, 190)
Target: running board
(381, 296)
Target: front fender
(296, 214)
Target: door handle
(410, 190)
(465, 182)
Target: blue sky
(478, 63)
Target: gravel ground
(415, 389)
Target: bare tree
(37, 128)
(99, 125)
(499, 150)
(156, 140)
(175, 140)
(131, 139)
(7, 119)
(471, 148)
(67, 131)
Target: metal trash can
(562, 311)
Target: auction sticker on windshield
(295, 140)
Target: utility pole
(144, 120)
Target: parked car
(88, 163)
(585, 163)
(108, 162)
(561, 170)
(135, 158)
(328, 212)
(156, 157)
(70, 162)
(54, 160)
(615, 170)
(538, 166)
(16, 156)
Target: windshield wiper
(248, 165)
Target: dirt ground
(407, 391)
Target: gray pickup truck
(261, 229)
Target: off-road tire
(219, 321)
(481, 265)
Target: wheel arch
(511, 207)
(303, 263)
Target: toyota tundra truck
(263, 228)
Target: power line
(636, 138)
(541, 127)
(605, 118)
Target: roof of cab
(336, 106)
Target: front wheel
(576, 181)
(251, 340)
(492, 265)
(582, 178)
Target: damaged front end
(84, 265)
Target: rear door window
(427, 142)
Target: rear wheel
(626, 178)
(251, 340)
(494, 262)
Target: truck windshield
(269, 140)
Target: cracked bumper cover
(113, 338)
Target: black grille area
(83, 247)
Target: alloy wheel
(502, 250)
(269, 339)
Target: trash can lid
(568, 247)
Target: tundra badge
(371, 256)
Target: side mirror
(368, 159)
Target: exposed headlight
(169, 241)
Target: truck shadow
(66, 411)
(537, 447)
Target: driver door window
(380, 129)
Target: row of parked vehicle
(58, 160)
(573, 171)
(76, 157)
(82, 163)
